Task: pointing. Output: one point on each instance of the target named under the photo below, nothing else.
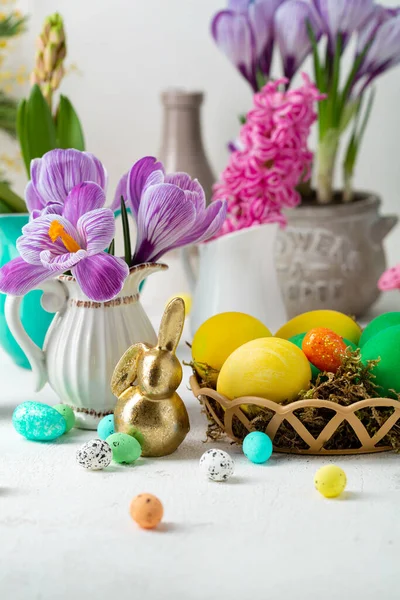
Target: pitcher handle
(188, 268)
(53, 299)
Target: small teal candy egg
(68, 415)
(257, 447)
(125, 448)
(106, 427)
(38, 422)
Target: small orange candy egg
(146, 510)
(324, 348)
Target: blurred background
(123, 53)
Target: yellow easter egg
(220, 335)
(331, 319)
(330, 481)
(269, 368)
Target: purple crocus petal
(261, 17)
(145, 172)
(97, 229)
(233, 34)
(343, 16)
(82, 199)
(379, 16)
(59, 263)
(207, 224)
(49, 209)
(32, 199)
(165, 215)
(384, 52)
(35, 238)
(101, 277)
(185, 182)
(292, 36)
(18, 277)
(58, 171)
(238, 5)
(120, 191)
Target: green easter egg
(378, 324)
(125, 448)
(386, 346)
(352, 345)
(68, 415)
(297, 340)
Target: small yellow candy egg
(330, 481)
(187, 299)
(269, 368)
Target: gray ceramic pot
(331, 257)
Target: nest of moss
(351, 383)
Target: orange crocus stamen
(56, 230)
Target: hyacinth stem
(327, 155)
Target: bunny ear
(172, 325)
(126, 370)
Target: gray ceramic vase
(331, 257)
(182, 146)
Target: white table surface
(66, 532)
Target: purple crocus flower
(261, 16)
(55, 174)
(235, 37)
(169, 210)
(52, 244)
(291, 33)
(384, 52)
(343, 17)
(245, 34)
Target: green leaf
(349, 111)
(8, 114)
(68, 127)
(41, 132)
(367, 115)
(12, 26)
(333, 92)
(353, 73)
(13, 201)
(260, 79)
(111, 248)
(4, 208)
(127, 236)
(320, 80)
(22, 134)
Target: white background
(127, 51)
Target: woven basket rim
(286, 412)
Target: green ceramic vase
(35, 320)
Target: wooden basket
(232, 408)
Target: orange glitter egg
(324, 348)
(146, 510)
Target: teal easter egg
(38, 422)
(257, 447)
(385, 346)
(378, 324)
(68, 415)
(106, 427)
(125, 448)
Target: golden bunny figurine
(145, 381)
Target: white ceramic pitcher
(85, 341)
(236, 272)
